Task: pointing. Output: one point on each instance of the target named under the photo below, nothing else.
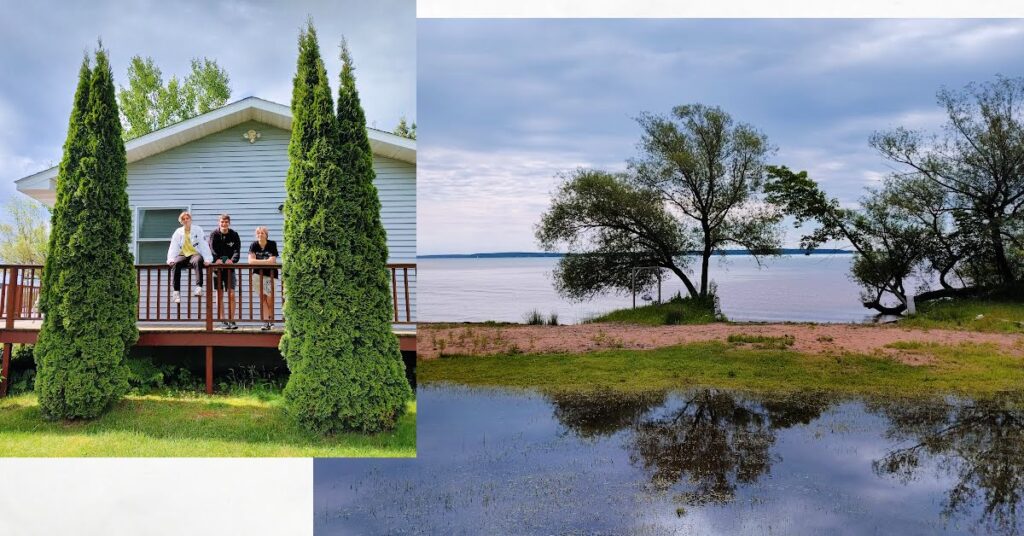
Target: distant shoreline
(527, 254)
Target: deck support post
(5, 369)
(209, 370)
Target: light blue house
(234, 160)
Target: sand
(808, 338)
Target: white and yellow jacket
(198, 242)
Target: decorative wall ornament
(252, 136)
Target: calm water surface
(814, 288)
(704, 461)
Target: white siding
(223, 172)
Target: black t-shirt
(263, 254)
(225, 245)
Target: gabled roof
(41, 185)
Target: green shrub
(88, 289)
(533, 318)
(552, 319)
(346, 369)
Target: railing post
(12, 298)
(209, 313)
(394, 291)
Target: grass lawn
(171, 424)
(969, 370)
(996, 315)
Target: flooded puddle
(704, 461)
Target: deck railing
(19, 294)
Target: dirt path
(808, 338)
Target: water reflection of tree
(602, 413)
(981, 444)
(716, 440)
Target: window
(155, 227)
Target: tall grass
(675, 311)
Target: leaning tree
(949, 222)
(695, 187)
(88, 292)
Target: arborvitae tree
(322, 394)
(89, 294)
(380, 371)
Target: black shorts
(224, 279)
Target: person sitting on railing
(227, 248)
(188, 248)
(264, 251)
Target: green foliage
(611, 227)
(147, 104)
(89, 294)
(23, 240)
(676, 311)
(533, 318)
(695, 188)
(552, 319)
(346, 368)
(405, 129)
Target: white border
(719, 8)
(156, 496)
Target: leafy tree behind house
(23, 239)
(696, 186)
(89, 294)
(148, 104)
(951, 214)
(405, 129)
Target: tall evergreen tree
(380, 372)
(89, 294)
(322, 394)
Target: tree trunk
(923, 297)
(1002, 264)
(686, 280)
(704, 259)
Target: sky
(507, 105)
(255, 41)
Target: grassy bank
(172, 424)
(969, 369)
(676, 311)
(969, 314)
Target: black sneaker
(233, 325)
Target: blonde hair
(182, 215)
(264, 229)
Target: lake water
(803, 288)
(703, 461)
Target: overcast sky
(508, 104)
(41, 47)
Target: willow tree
(89, 294)
(380, 371)
(342, 370)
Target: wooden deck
(193, 322)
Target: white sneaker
(198, 291)
(176, 297)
